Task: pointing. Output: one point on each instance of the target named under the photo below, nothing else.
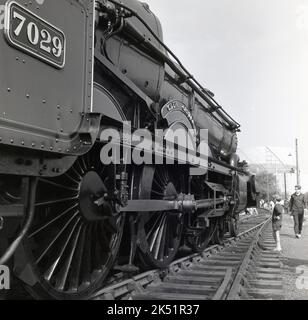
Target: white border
(93, 56)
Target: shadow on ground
(294, 263)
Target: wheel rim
(234, 226)
(160, 233)
(200, 242)
(220, 230)
(72, 243)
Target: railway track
(260, 275)
(244, 267)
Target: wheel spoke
(158, 242)
(165, 175)
(83, 163)
(54, 265)
(162, 231)
(74, 170)
(62, 276)
(154, 226)
(161, 195)
(71, 178)
(51, 202)
(150, 235)
(70, 249)
(80, 168)
(77, 261)
(56, 238)
(154, 238)
(48, 224)
(57, 185)
(87, 261)
(168, 233)
(157, 184)
(162, 248)
(161, 179)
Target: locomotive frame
(74, 209)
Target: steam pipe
(30, 214)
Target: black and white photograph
(153, 153)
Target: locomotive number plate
(30, 33)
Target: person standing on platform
(297, 209)
(277, 222)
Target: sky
(254, 56)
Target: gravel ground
(295, 260)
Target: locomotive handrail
(189, 78)
(158, 54)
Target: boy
(277, 222)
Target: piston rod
(184, 203)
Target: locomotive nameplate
(32, 34)
(46, 106)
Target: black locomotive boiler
(71, 69)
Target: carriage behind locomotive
(62, 85)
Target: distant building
(277, 162)
(279, 174)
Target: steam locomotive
(70, 70)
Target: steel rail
(135, 286)
(250, 283)
(243, 269)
